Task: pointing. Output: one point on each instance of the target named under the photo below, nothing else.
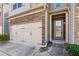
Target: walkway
(57, 49)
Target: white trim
(50, 28)
(46, 24)
(67, 28)
(32, 12)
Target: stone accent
(77, 23)
(36, 17)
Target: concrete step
(57, 48)
(58, 45)
(56, 51)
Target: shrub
(72, 49)
(4, 37)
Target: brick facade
(77, 23)
(37, 17)
(0, 14)
(1, 19)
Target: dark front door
(58, 28)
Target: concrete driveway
(16, 49)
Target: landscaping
(4, 37)
(72, 49)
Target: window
(19, 5)
(57, 5)
(14, 6)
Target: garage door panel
(37, 35)
(27, 36)
(12, 34)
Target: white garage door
(30, 33)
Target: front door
(59, 29)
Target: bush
(4, 37)
(72, 49)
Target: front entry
(58, 27)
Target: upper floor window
(57, 5)
(14, 6)
(19, 5)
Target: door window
(58, 28)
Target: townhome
(38, 23)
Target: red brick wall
(77, 23)
(0, 14)
(28, 19)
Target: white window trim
(17, 6)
